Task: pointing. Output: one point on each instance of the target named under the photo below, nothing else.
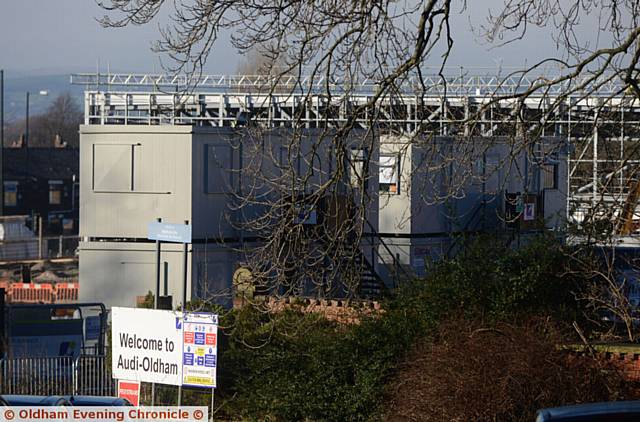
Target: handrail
(396, 264)
(480, 205)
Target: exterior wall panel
(129, 176)
(115, 273)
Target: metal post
(157, 270)
(166, 279)
(73, 195)
(39, 237)
(185, 262)
(26, 127)
(396, 262)
(157, 297)
(60, 246)
(75, 375)
(26, 139)
(1, 142)
(213, 395)
(2, 336)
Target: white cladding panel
(115, 273)
(129, 176)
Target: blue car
(621, 411)
(25, 400)
(97, 401)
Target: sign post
(158, 252)
(175, 233)
(2, 325)
(185, 261)
(156, 302)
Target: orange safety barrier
(32, 293)
(66, 292)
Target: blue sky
(62, 36)
(41, 38)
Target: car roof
(607, 411)
(97, 401)
(28, 400)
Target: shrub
(298, 366)
(291, 366)
(504, 373)
(490, 281)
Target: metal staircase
(371, 284)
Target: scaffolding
(602, 126)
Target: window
(389, 173)
(10, 194)
(55, 192)
(550, 176)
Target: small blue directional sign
(92, 327)
(165, 232)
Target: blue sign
(178, 233)
(188, 358)
(92, 328)
(210, 361)
(199, 338)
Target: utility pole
(26, 139)
(26, 132)
(26, 124)
(1, 142)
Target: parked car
(97, 401)
(25, 400)
(621, 411)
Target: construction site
(581, 167)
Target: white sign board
(147, 345)
(200, 350)
(180, 233)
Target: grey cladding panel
(218, 165)
(112, 167)
(143, 169)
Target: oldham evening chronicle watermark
(106, 414)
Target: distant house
(43, 182)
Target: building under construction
(591, 166)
